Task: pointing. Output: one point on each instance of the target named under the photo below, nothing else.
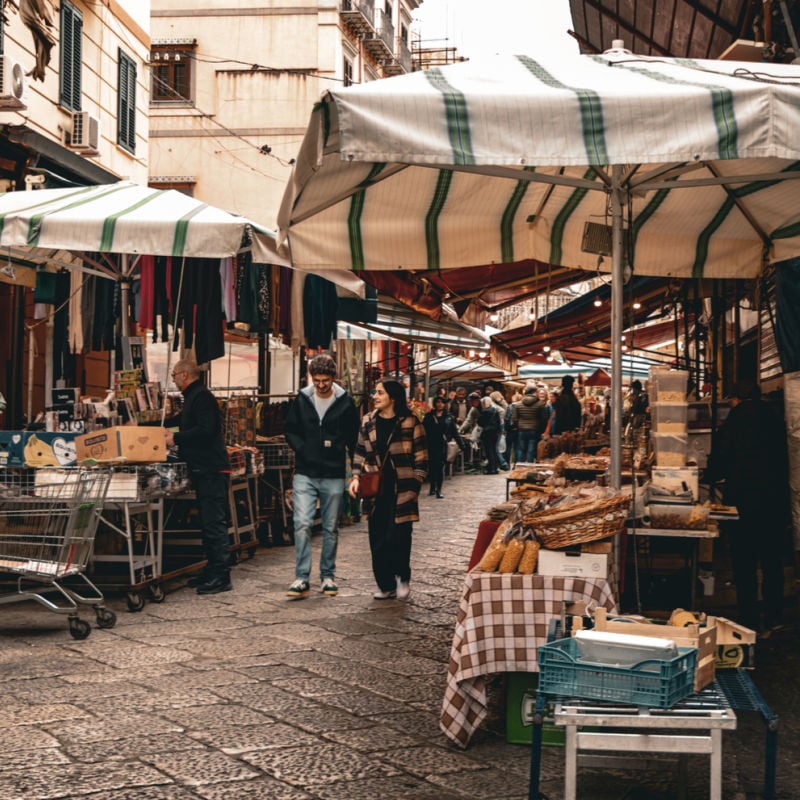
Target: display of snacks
(667, 385)
(512, 555)
(494, 553)
(669, 417)
(530, 555)
(670, 449)
(679, 517)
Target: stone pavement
(249, 696)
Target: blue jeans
(329, 492)
(528, 445)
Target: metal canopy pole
(617, 278)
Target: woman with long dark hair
(391, 439)
(440, 428)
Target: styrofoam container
(622, 649)
(670, 449)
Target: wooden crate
(704, 638)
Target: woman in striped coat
(393, 437)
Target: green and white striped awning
(120, 218)
(499, 160)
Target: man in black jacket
(749, 453)
(321, 427)
(200, 445)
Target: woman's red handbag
(369, 484)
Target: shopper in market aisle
(200, 445)
(749, 454)
(529, 419)
(321, 428)
(391, 440)
(440, 428)
(567, 410)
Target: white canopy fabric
(498, 160)
(120, 218)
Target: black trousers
(489, 439)
(211, 489)
(758, 539)
(390, 545)
(436, 469)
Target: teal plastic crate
(654, 683)
(520, 703)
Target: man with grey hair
(321, 427)
(200, 445)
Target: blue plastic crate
(654, 683)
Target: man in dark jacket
(321, 427)
(749, 453)
(200, 445)
(529, 418)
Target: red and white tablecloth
(502, 620)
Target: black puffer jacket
(321, 446)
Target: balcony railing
(358, 15)
(380, 45)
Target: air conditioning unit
(13, 83)
(85, 134)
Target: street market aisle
(247, 695)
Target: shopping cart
(47, 534)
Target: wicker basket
(582, 522)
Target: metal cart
(134, 519)
(47, 533)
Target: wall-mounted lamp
(637, 306)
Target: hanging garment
(319, 312)
(147, 269)
(75, 300)
(228, 283)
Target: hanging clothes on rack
(319, 312)
(199, 308)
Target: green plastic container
(520, 702)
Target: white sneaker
(403, 590)
(384, 595)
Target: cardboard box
(568, 563)
(129, 443)
(12, 449)
(43, 449)
(704, 638)
(736, 645)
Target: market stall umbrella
(598, 378)
(513, 158)
(120, 218)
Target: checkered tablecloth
(502, 620)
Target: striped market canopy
(120, 218)
(494, 161)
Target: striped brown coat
(408, 450)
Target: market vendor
(200, 445)
(749, 454)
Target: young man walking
(321, 427)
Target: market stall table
(711, 532)
(693, 725)
(502, 619)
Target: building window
(347, 79)
(70, 64)
(126, 103)
(171, 68)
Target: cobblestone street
(247, 695)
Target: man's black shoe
(215, 586)
(197, 580)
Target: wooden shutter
(126, 103)
(71, 35)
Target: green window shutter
(126, 103)
(70, 61)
